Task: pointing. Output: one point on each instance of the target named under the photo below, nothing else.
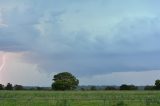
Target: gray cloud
(60, 39)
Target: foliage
(110, 88)
(83, 89)
(149, 87)
(64, 81)
(93, 88)
(9, 87)
(157, 84)
(1, 87)
(128, 87)
(39, 88)
(18, 87)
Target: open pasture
(79, 98)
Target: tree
(9, 86)
(110, 88)
(93, 88)
(128, 87)
(18, 87)
(1, 87)
(149, 87)
(157, 84)
(83, 89)
(64, 81)
(133, 87)
(124, 87)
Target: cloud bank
(86, 38)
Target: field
(80, 98)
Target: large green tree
(9, 87)
(157, 84)
(64, 81)
(1, 87)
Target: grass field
(80, 98)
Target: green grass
(80, 98)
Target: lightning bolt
(3, 62)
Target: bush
(128, 87)
(149, 87)
(93, 88)
(110, 88)
(18, 87)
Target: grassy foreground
(80, 98)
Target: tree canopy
(64, 81)
(9, 86)
(157, 84)
(1, 87)
(18, 87)
(128, 87)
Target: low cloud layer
(118, 78)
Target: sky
(101, 42)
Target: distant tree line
(128, 87)
(156, 86)
(122, 87)
(9, 86)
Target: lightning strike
(3, 62)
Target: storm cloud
(86, 37)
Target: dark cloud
(56, 45)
